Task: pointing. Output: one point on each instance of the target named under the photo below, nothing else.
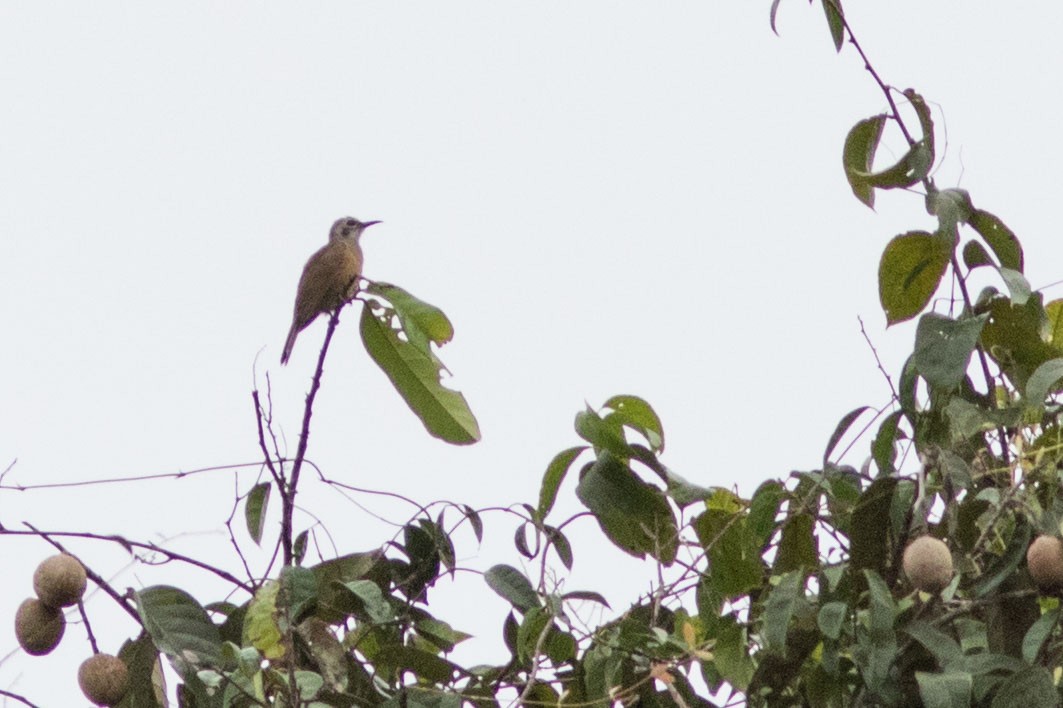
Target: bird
(330, 277)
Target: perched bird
(330, 277)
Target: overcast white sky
(605, 197)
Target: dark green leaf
(298, 591)
(883, 448)
(1043, 381)
(375, 607)
(947, 690)
(869, 545)
(513, 586)
(561, 545)
(416, 376)
(735, 564)
(909, 170)
(635, 413)
(909, 273)
(552, 478)
(179, 627)
(299, 547)
(585, 595)
(1018, 287)
(859, 154)
(422, 664)
(763, 509)
(1002, 567)
(925, 120)
(798, 548)
(831, 617)
(946, 651)
(1037, 634)
(975, 256)
(779, 608)
(440, 633)
(147, 686)
(839, 430)
(520, 541)
(603, 433)
(1004, 243)
(255, 510)
(943, 348)
(833, 10)
(634, 515)
(475, 521)
(1030, 688)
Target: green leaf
(1043, 381)
(947, 690)
(440, 633)
(255, 510)
(798, 548)
(943, 348)
(1030, 688)
(1037, 634)
(868, 544)
(1003, 566)
(264, 626)
(552, 478)
(422, 664)
(879, 646)
(952, 207)
(859, 154)
(763, 509)
(833, 10)
(925, 121)
(299, 547)
(975, 256)
(779, 608)
(909, 170)
(831, 617)
(513, 586)
(883, 448)
(633, 514)
(416, 374)
(735, 564)
(298, 591)
(1015, 337)
(1000, 238)
(946, 651)
(415, 313)
(560, 544)
(147, 687)
(843, 425)
(586, 596)
(635, 413)
(910, 272)
(180, 628)
(371, 599)
(1018, 286)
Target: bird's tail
(290, 344)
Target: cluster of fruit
(60, 582)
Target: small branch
(20, 699)
(878, 362)
(288, 493)
(118, 480)
(88, 626)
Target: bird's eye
(350, 222)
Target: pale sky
(604, 197)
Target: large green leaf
(416, 375)
(1000, 238)
(1043, 380)
(943, 348)
(633, 514)
(946, 690)
(421, 321)
(147, 683)
(833, 10)
(635, 413)
(1037, 634)
(779, 608)
(179, 627)
(1031, 688)
(734, 550)
(513, 586)
(798, 546)
(552, 478)
(1015, 337)
(910, 271)
(255, 510)
(859, 154)
(868, 541)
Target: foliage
(794, 596)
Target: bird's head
(349, 228)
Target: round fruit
(38, 627)
(103, 679)
(59, 581)
(1044, 560)
(928, 564)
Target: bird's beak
(370, 223)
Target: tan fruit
(928, 564)
(59, 581)
(104, 679)
(38, 627)
(1044, 559)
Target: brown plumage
(330, 277)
